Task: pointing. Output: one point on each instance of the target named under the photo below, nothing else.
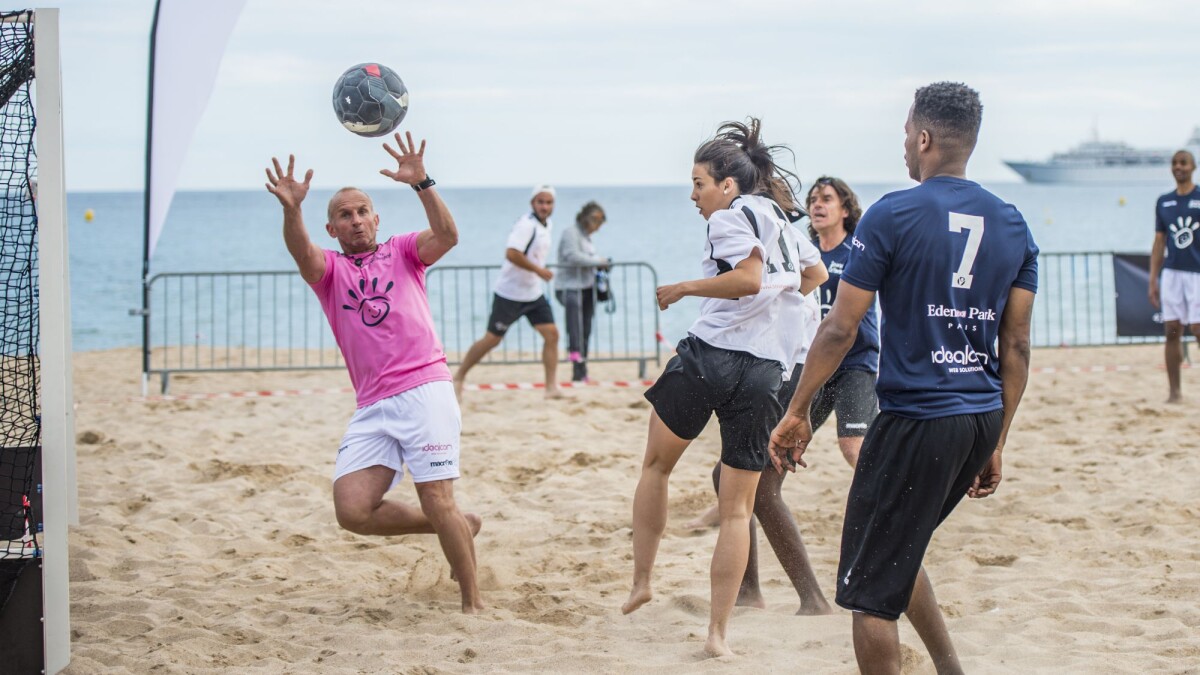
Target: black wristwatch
(425, 184)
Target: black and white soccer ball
(370, 99)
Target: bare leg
(482, 346)
(1174, 358)
(749, 593)
(926, 618)
(876, 645)
(455, 536)
(550, 358)
(784, 536)
(850, 447)
(736, 499)
(360, 507)
(663, 449)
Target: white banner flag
(188, 42)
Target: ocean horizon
(240, 230)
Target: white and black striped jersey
(777, 323)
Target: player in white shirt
(520, 291)
(734, 359)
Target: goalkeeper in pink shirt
(373, 295)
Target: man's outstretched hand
(410, 161)
(289, 191)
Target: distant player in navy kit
(956, 272)
(733, 361)
(850, 393)
(1176, 255)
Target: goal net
(36, 422)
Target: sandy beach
(207, 541)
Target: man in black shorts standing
(520, 292)
(956, 272)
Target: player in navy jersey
(955, 269)
(833, 215)
(733, 360)
(1176, 256)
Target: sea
(242, 231)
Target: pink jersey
(379, 313)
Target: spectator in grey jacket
(576, 283)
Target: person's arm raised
(442, 234)
(290, 192)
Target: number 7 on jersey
(974, 227)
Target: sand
(207, 542)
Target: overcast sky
(512, 93)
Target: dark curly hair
(849, 203)
(586, 212)
(951, 110)
(737, 152)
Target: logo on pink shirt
(373, 309)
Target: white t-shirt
(777, 323)
(533, 239)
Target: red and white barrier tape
(663, 340)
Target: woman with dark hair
(850, 393)
(755, 267)
(575, 284)
(833, 213)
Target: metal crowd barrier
(262, 321)
(1076, 302)
(204, 322)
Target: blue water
(241, 231)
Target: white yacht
(1104, 162)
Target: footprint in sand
(995, 560)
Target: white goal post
(59, 492)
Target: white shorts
(418, 428)
(1179, 292)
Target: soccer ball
(370, 99)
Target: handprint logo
(1182, 231)
(373, 309)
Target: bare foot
(639, 596)
(715, 646)
(475, 522)
(473, 607)
(709, 519)
(555, 393)
(1175, 398)
(814, 608)
(751, 600)
(458, 388)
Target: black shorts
(740, 388)
(505, 313)
(851, 395)
(910, 476)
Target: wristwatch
(425, 184)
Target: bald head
(329, 210)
